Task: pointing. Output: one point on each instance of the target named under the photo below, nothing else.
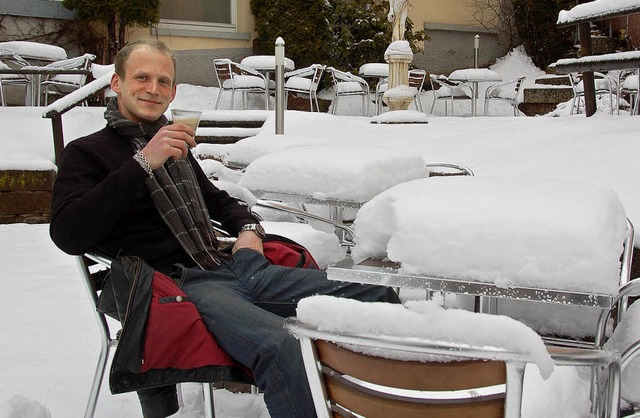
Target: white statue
(398, 10)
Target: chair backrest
(94, 269)
(602, 82)
(318, 71)
(82, 62)
(338, 76)
(416, 78)
(349, 376)
(438, 81)
(224, 70)
(372, 371)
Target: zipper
(132, 293)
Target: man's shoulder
(99, 137)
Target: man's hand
(248, 239)
(171, 141)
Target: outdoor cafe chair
(235, 77)
(359, 368)
(506, 91)
(416, 83)
(448, 91)
(346, 84)
(66, 83)
(629, 88)
(604, 85)
(94, 268)
(10, 80)
(304, 81)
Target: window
(209, 18)
(201, 11)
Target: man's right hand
(171, 141)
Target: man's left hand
(248, 239)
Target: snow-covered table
(474, 76)
(33, 51)
(545, 241)
(374, 69)
(337, 176)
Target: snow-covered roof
(597, 10)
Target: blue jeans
(243, 303)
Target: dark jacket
(163, 339)
(100, 201)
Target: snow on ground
(50, 342)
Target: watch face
(257, 228)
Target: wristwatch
(255, 228)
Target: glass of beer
(190, 118)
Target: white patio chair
(66, 83)
(346, 84)
(236, 77)
(629, 87)
(13, 79)
(506, 91)
(603, 84)
(448, 91)
(416, 82)
(304, 81)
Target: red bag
(283, 251)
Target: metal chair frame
(630, 90)
(448, 90)
(320, 371)
(603, 85)
(342, 82)
(90, 266)
(304, 81)
(67, 82)
(495, 92)
(232, 76)
(8, 79)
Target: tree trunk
(112, 39)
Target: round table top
(374, 69)
(475, 74)
(34, 50)
(265, 62)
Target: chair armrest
(348, 240)
(100, 258)
(302, 72)
(463, 169)
(250, 71)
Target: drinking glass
(190, 118)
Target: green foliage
(135, 13)
(344, 34)
(536, 25)
(301, 23)
(117, 15)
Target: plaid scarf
(175, 191)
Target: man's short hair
(123, 55)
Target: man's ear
(115, 83)
(173, 92)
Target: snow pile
(425, 320)
(333, 172)
(547, 234)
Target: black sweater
(100, 201)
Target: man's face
(147, 88)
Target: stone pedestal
(399, 56)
